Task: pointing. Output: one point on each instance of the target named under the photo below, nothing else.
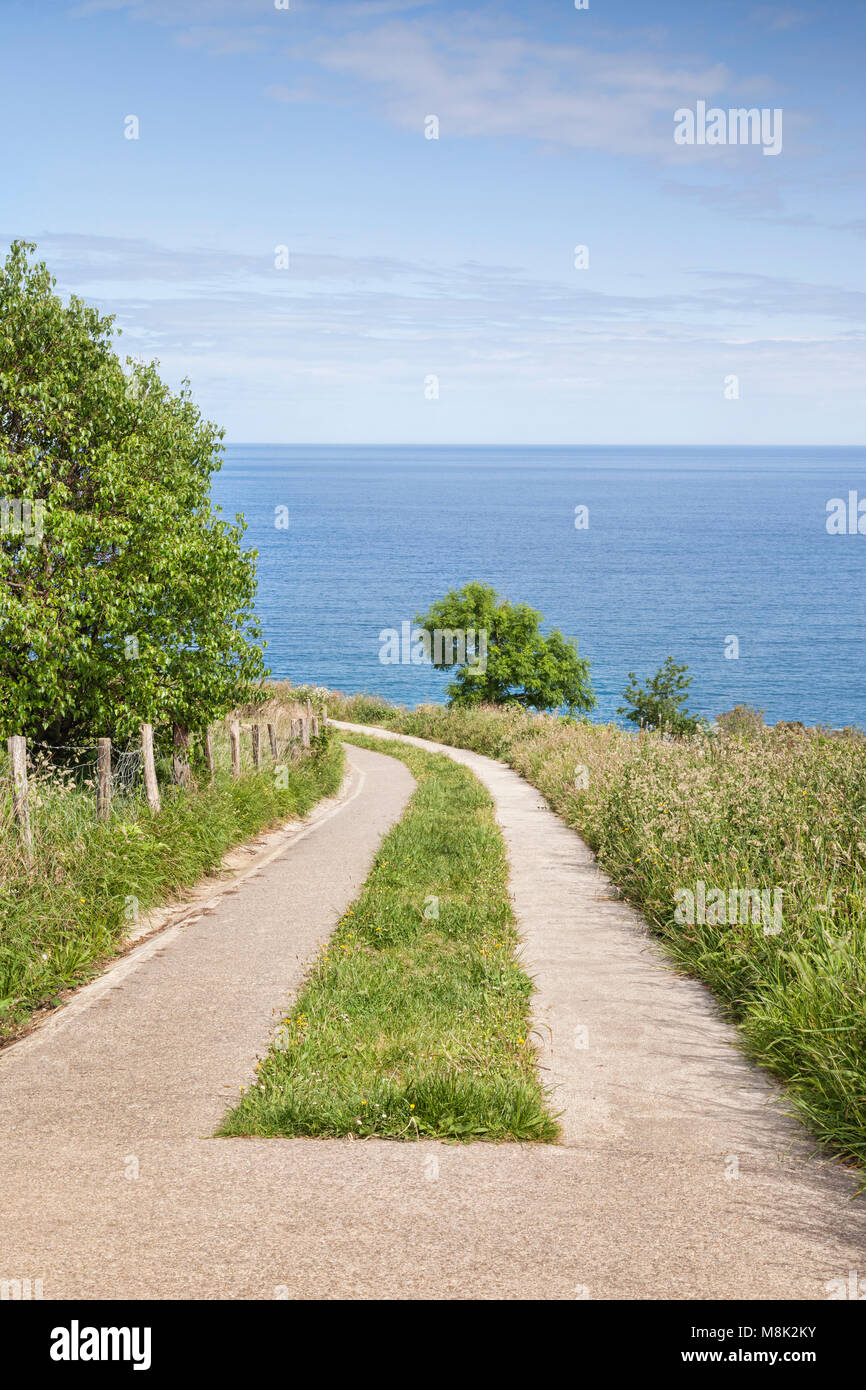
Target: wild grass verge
(90, 881)
(414, 1020)
(782, 810)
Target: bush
(741, 722)
(660, 704)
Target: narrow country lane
(637, 1202)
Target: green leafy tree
(660, 703)
(508, 658)
(130, 599)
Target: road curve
(686, 1177)
(114, 1189)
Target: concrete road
(112, 1187)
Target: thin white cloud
(221, 42)
(173, 12)
(339, 340)
(480, 77)
(480, 82)
(777, 19)
(385, 296)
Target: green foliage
(660, 704)
(523, 665)
(136, 602)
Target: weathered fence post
(180, 772)
(208, 751)
(20, 795)
(315, 726)
(150, 783)
(305, 729)
(103, 778)
(272, 735)
(324, 714)
(257, 746)
(235, 735)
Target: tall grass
(782, 808)
(91, 881)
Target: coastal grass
(780, 808)
(414, 1020)
(61, 919)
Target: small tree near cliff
(660, 703)
(512, 659)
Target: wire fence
(79, 763)
(119, 775)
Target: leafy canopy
(660, 703)
(521, 664)
(136, 601)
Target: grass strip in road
(414, 1020)
(728, 813)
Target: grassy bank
(781, 810)
(414, 1019)
(90, 881)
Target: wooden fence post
(257, 746)
(272, 735)
(235, 735)
(20, 796)
(103, 778)
(150, 783)
(305, 730)
(315, 726)
(180, 772)
(208, 751)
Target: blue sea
(685, 548)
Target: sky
(428, 289)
